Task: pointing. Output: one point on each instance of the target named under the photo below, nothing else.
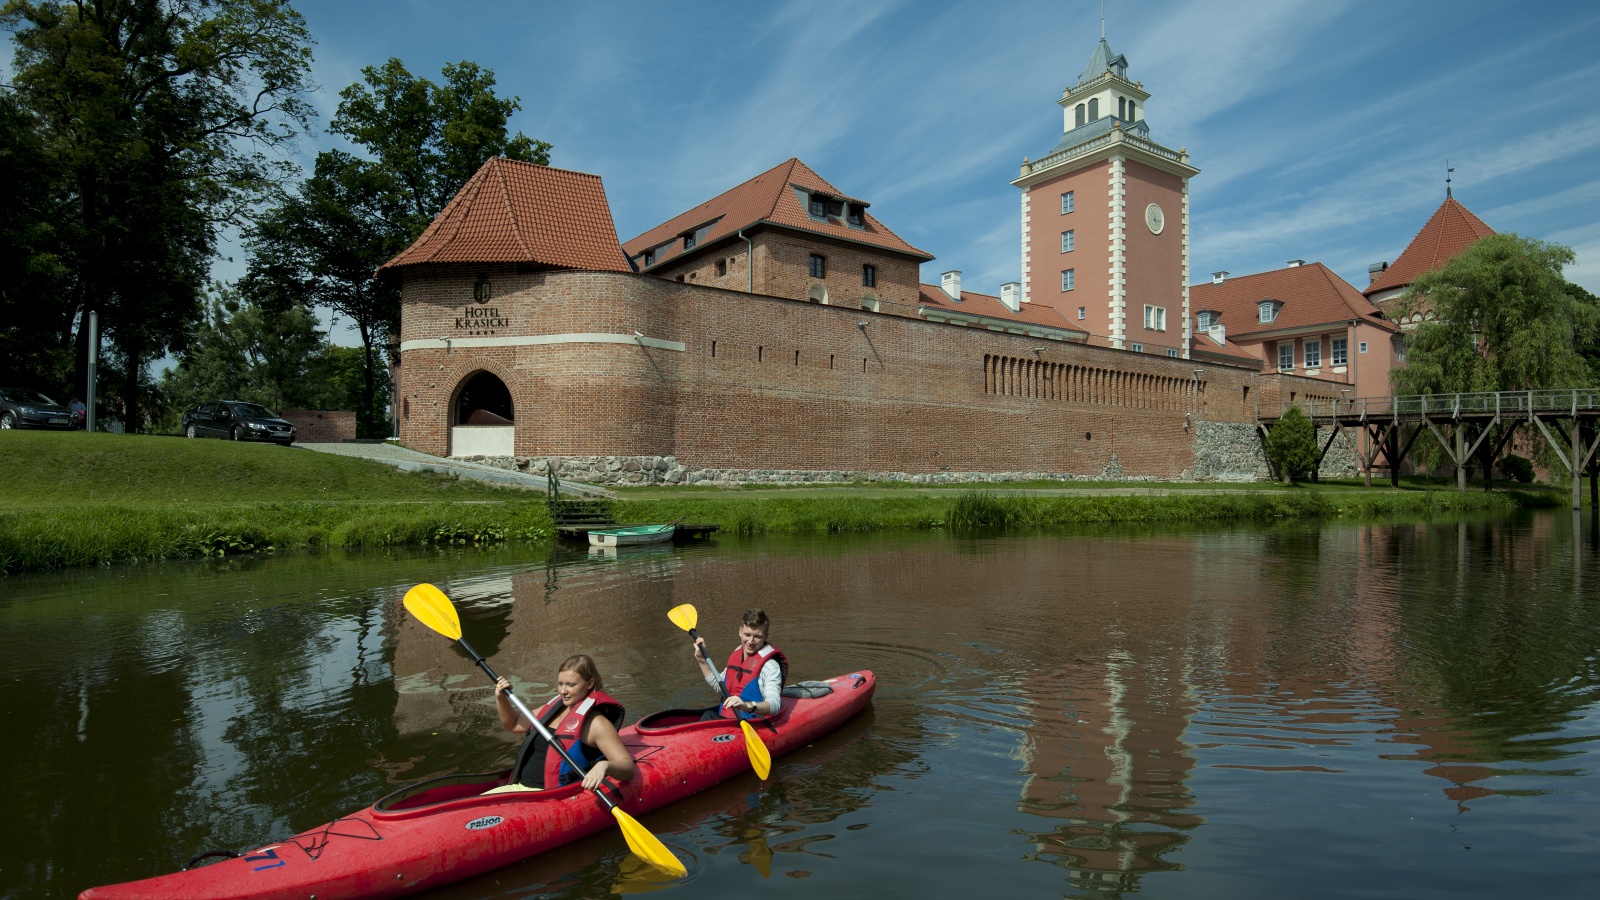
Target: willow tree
(1503, 319)
(167, 118)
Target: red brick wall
(773, 383)
(783, 269)
(321, 426)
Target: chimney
(1218, 333)
(1296, 263)
(1376, 269)
(1219, 277)
(950, 283)
(1011, 295)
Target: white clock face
(1154, 218)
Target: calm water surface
(1377, 710)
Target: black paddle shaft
(537, 725)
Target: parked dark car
(237, 420)
(21, 408)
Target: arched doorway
(482, 417)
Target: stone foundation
(1231, 451)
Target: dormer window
(1267, 311)
(688, 241)
(856, 217)
(1203, 321)
(819, 206)
(649, 257)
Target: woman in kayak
(753, 680)
(582, 717)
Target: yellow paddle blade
(647, 846)
(433, 609)
(760, 756)
(684, 616)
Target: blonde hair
(582, 665)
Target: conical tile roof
(517, 212)
(1452, 229)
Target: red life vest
(740, 677)
(569, 731)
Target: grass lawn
(74, 499)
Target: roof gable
(1452, 229)
(518, 212)
(1310, 294)
(767, 198)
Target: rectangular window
(1066, 279)
(1066, 203)
(819, 266)
(1361, 347)
(1082, 310)
(869, 276)
(722, 267)
(1285, 357)
(1155, 318)
(688, 242)
(1067, 240)
(855, 217)
(1138, 348)
(1171, 352)
(1339, 353)
(819, 207)
(649, 257)
(1314, 354)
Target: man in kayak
(754, 678)
(582, 717)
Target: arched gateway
(482, 417)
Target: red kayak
(446, 829)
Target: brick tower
(1105, 218)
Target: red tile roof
(1202, 347)
(517, 212)
(1311, 295)
(1452, 229)
(768, 197)
(975, 304)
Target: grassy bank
(95, 499)
(74, 499)
(779, 513)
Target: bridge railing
(1516, 404)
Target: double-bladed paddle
(686, 617)
(433, 609)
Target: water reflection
(1310, 711)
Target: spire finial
(1447, 170)
(1102, 20)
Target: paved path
(414, 461)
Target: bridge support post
(1461, 456)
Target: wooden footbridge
(1471, 428)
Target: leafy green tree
(427, 139)
(1504, 319)
(35, 305)
(166, 118)
(246, 351)
(1292, 444)
(320, 246)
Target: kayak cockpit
(459, 791)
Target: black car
(21, 408)
(237, 420)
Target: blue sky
(1322, 129)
